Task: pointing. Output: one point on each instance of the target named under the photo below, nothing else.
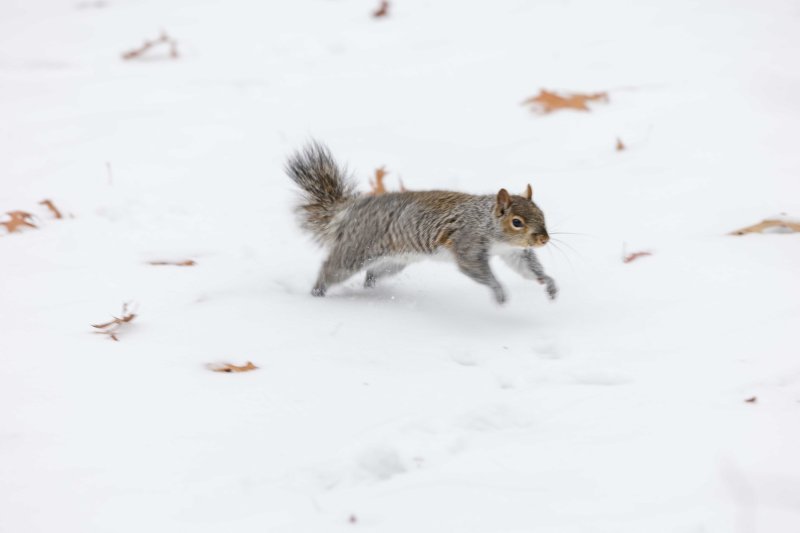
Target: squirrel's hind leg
(382, 270)
(338, 267)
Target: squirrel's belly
(440, 255)
(502, 248)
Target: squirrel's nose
(543, 238)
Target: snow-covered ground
(421, 406)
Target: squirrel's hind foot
(318, 291)
(499, 294)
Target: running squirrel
(384, 233)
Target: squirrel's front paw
(550, 286)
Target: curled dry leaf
(112, 327)
(620, 145)
(377, 186)
(548, 101)
(752, 399)
(185, 263)
(17, 220)
(52, 207)
(230, 367)
(164, 39)
(780, 224)
(383, 10)
(634, 256)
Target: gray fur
(526, 264)
(324, 185)
(383, 233)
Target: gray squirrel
(384, 233)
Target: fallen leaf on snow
(230, 367)
(52, 207)
(780, 224)
(620, 145)
(112, 327)
(383, 10)
(18, 219)
(752, 399)
(547, 101)
(634, 256)
(377, 185)
(185, 263)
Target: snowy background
(421, 406)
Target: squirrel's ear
(528, 192)
(503, 202)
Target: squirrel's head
(521, 221)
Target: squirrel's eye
(517, 223)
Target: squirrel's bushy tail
(325, 188)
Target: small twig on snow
(162, 39)
(111, 328)
(52, 207)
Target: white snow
(420, 406)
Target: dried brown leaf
(185, 263)
(52, 207)
(752, 399)
(17, 220)
(112, 327)
(548, 101)
(634, 256)
(137, 53)
(777, 225)
(230, 367)
(383, 10)
(620, 145)
(377, 186)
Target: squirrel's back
(411, 222)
